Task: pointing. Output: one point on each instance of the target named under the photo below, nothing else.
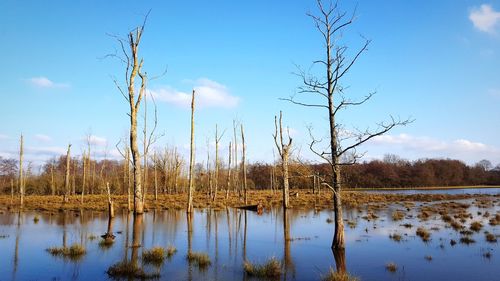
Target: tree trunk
(228, 172)
(84, 174)
(191, 161)
(21, 179)
(66, 179)
(243, 166)
(216, 176)
(155, 176)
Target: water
(229, 237)
(489, 191)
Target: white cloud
(98, 141)
(208, 94)
(4, 137)
(426, 147)
(485, 18)
(46, 151)
(46, 83)
(42, 138)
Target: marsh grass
(397, 215)
(202, 260)
(490, 237)
(467, 240)
(270, 269)
(171, 250)
(424, 234)
(333, 275)
(391, 267)
(154, 256)
(476, 226)
(129, 270)
(396, 237)
(74, 252)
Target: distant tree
(283, 147)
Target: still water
(231, 236)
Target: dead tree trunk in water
(66, 179)
(21, 178)
(331, 24)
(191, 161)
(284, 151)
(243, 166)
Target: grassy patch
(129, 270)
(398, 215)
(391, 267)
(476, 226)
(270, 269)
(467, 240)
(333, 275)
(424, 234)
(202, 260)
(490, 237)
(396, 237)
(154, 256)
(74, 252)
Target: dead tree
(155, 176)
(191, 161)
(228, 185)
(217, 162)
(284, 152)
(66, 178)
(133, 68)
(342, 144)
(21, 178)
(243, 165)
(236, 170)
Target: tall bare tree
(342, 145)
(191, 161)
(243, 165)
(67, 178)
(133, 68)
(21, 178)
(284, 152)
(217, 162)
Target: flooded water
(301, 242)
(490, 190)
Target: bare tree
(217, 162)
(191, 161)
(228, 171)
(21, 178)
(243, 165)
(342, 144)
(284, 152)
(133, 68)
(66, 178)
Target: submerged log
(259, 208)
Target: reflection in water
(299, 238)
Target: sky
(435, 62)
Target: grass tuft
(476, 226)
(398, 215)
(391, 267)
(74, 252)
(202, 260)
(154, 256)
(490, 237)
(129, 270)
(333, 275)
(424, 234)
(270, 269)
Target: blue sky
(434, 61)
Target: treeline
(166, 173)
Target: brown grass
(391, 267)
(476, 226)
(490, 237)
(129, 270)
(74, 252)
(202, 260)
(270, 269)
(424, 234)
(265, 197)
(398, 215)
(333, 275)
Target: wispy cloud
(42, 138)
(4, 137)
(95, 140)
(46, 83)
(485, 18)
(462, 149)
(208, 94)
